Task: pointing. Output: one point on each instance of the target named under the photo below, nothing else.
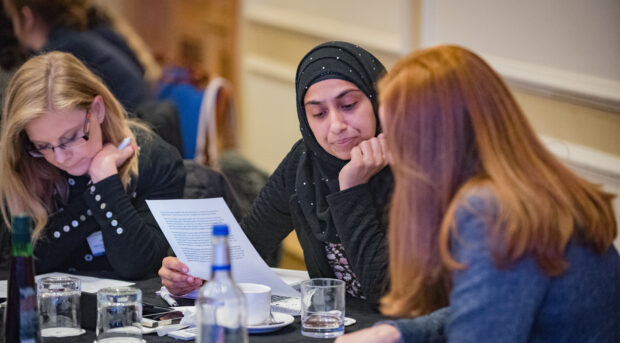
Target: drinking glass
(59, 306)
(119, 315)
(322, 308)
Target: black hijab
(317, 172)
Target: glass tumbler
(119, 315)
(322, 308)
(59, 306)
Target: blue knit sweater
(521, 303)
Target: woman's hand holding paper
(174, 277)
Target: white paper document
(290, 276)
(188, 224)
(89, 284)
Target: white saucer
(61, 332)
(349, 321)
(285, 319)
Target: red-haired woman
(491, 238)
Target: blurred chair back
(203, 182)
(217, 127)
(207, 117)
(163, 118)
(177, 87)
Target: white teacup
(258, 300)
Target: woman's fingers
(174, 276)
(173, 263)
(125, 154)
(372, 153)
(180, 286)
(107, 160)
(377, 152)
(367, 159)
(383, 144)
(356, 154)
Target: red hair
(452, 125)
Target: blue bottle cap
(220, 230)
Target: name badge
(95, 240)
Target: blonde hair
(53, 81)
(452, 126)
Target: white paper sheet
(89, 284)
(187, 224)
(292, 277)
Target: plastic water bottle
(221, 311)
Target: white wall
(379, 25)
(564, 50)
(565, 47)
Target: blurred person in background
(115, 29)
(12, 54)
(63, 25)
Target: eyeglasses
(67, 145)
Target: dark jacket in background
(203, 182)
(245, 178)
(163, 118)
(112, 37)
(114, 67)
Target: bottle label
(28, 314)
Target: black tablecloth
(355, 308)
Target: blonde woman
(491, 238)
(66, 162)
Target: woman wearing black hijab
(333, 187)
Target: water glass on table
(322, 308)
(59, 306)
(119, 315)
